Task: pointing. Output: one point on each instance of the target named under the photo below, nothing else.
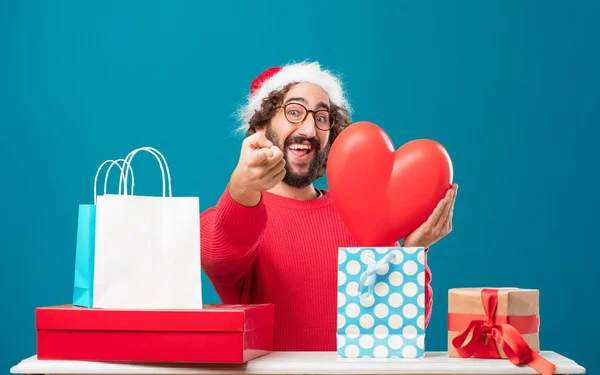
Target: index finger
(455, 187)
(259, 140)
(259, 156)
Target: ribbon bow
(368, 277)
(486, 333)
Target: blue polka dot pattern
(389, 322)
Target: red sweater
(282, 251)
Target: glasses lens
(295, 113)
(322, 119)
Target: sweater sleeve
(428, 294)
(229, 236)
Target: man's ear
(322, 171)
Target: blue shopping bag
(381, 302)
(83, 285)
(83, 288)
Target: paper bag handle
(154, 152)
(121, 178)
(112, 163)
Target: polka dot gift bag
(381, 302)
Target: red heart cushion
(383, 195)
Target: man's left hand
(438, 225)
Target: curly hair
(340, 116)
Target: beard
(291, 178)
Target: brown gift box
(518, 307)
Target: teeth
(300, 147)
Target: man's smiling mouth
(300, 150)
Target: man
(272, 237)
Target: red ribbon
(485, 334)
(524, 324)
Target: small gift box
(381, 302)
(496, 323)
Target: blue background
(510, 88)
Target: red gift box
(215, 334)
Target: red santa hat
(278, 77)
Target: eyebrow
(300, 99)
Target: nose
(307, 128)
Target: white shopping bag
(147, 249)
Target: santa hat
(278, 77)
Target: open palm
(438, 225)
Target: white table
(310, 363)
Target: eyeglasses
(296, 113)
